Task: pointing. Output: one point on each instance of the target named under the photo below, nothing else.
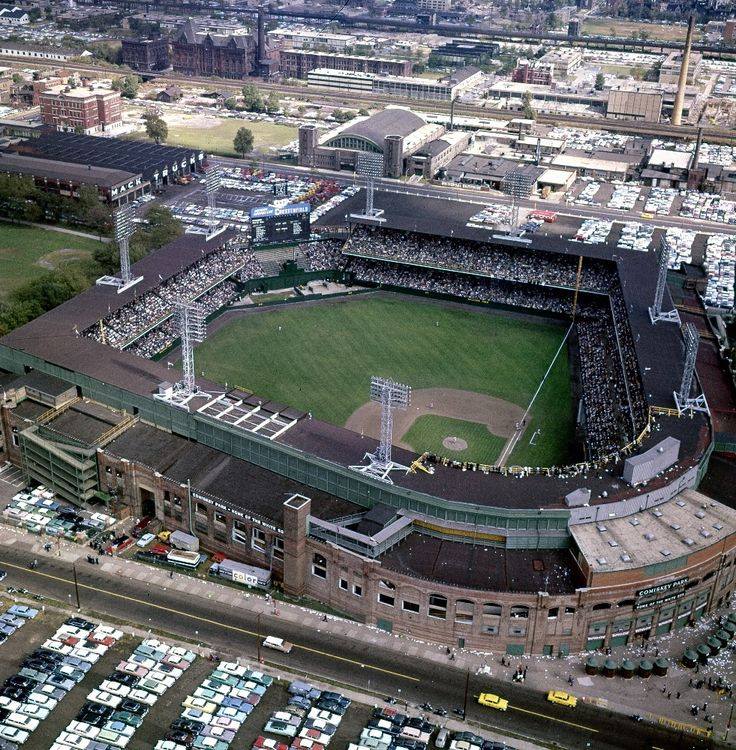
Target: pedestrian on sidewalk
(171, 574)
(691, 682)
(705, 706)
(678, 695)
(669, 696)
(664, 689)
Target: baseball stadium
(482, 440)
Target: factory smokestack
(682, 80)
(261, 41)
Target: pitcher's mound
(454, 444)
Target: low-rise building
(39, 52)
(634, 105)
(297, 63)
(534, 72)
(669, 72)
(82, 109)
(146, 55)
(308, 38)
(14, 17)
(566, 60)
(114, 186)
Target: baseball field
(472, 371)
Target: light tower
(518, 185)
(683, 398)
(656, 314)
(390, 395)
(369, 166)
(123, 228)
(212, 183)
(190, 318)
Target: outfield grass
(27, 251)
(429, 430)
(320, 358)
(219, 140)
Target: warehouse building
(297, 63)
(158, 165)
(634, 105)
(114, 186)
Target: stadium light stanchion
(212, 184)
(370, 166)
(656, 314)
(684, 399)
(391, 396)
(122, 230)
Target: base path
(499, 416)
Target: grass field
(429, 430)
(616, 27)
(219, 139)
(320, 358)
(27, 251)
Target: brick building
(196, 53)
(296, 63)
(539, 74)
(82, 109)
(146, 54)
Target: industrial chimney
(261, 56)
(682, 80)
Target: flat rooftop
(673, 529)
(476, 566)
(238, 484)
(86, 421)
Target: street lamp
(76, 585)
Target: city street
(346, 661)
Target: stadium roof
(481, 566)
(390, 121)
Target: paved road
(484, 198)
(337, 658)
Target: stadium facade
(615, 547)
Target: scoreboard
(279, 226)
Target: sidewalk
(644, 697)
(63, 230)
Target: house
(14, 17)
(170, 94)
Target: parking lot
(63, 722)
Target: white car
(184, 653)
(35, 711)
(173, 673)
(13, 734)
(43, 700)
(9, 704)
(145, 540)
(104, 698)
(143, 696)
(83, 729)
(21, 721)
(70, 739)
(58, 646)
(278, 644)
(233, 668)
(85, 654)
(192, 701)
(224, 722)
(104, 631)
(115, 688)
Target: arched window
(626, 603)
(491, 610)
(437, 606)
(464, 611)
(602, 605)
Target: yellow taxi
(562, 698)
(646, 215)
(489, 700)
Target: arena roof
(390, 121)
(666, 532)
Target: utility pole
(728, 725)
(467, 688)
(258, 634)
(76, 585)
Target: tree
(600, 82)
(156, 128)
(243, 142)
(272, 103)
(17, 78)
(363, 112)
(527, 108)
(252, 98)
(127, 86)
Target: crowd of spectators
(128, 322)
(322, 255)
(518, 265)
(163, 336)
(473, 288)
